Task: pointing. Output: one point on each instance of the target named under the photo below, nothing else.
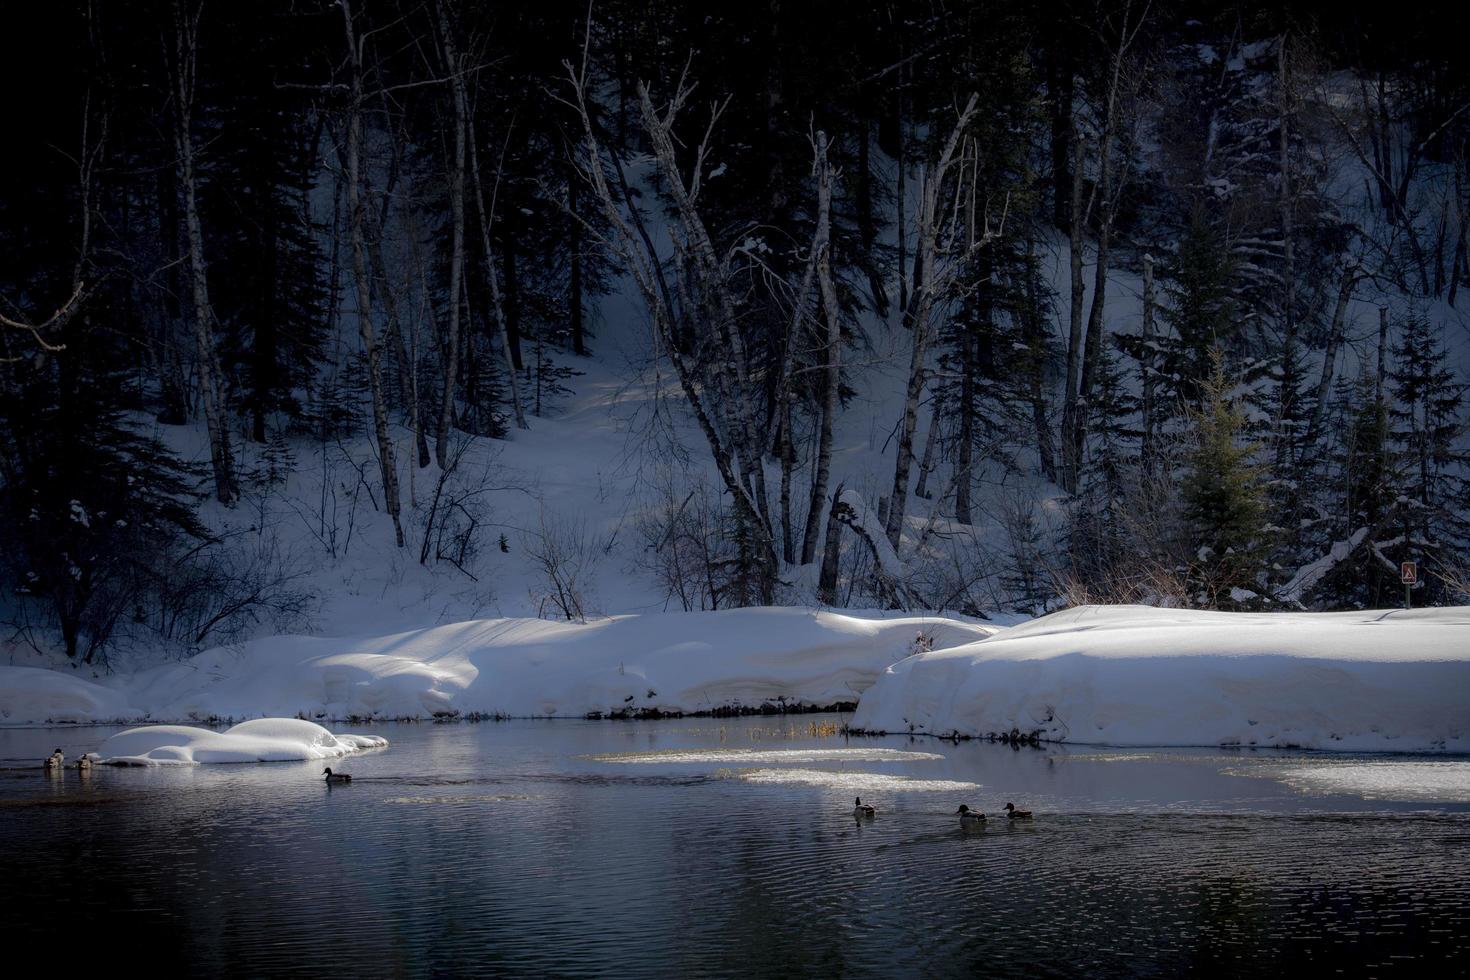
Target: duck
(55, 760)
(968, 817)
(336, 777)
(861, 809)
(1015, 814)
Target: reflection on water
(512, 848)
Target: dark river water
(669, 848)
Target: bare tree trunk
(1092, 351)
(831, 551)
(832, 370)
(901, 164)
(931, 441)
(1329, 360)
(492, 273)
(716, 388)
(408, 389)
(456, 248)
(1382, 353)
(575, 299)
(1071, 465)
(964, 445)
(387, 460)
(1287, 394)
(186, 39)
(866, 230)
(1146, 365)
(787, 452)
(927, 246)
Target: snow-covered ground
(261, 740)
(1118, 675)
(1133, 675)
(511, 667)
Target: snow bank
(1133, 675)
(523, 667)
(31, 695)
(261, 740)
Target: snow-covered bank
(1133, 675)
(261, 740)
(514, 667)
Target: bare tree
(938, 256)
(832, 349)
(492, 273)
(182, 67)
(715, 382)
(387, 459)
(1103, 197)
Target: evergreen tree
(1426, 426)
(1201, 312)
(93, 509)
(1224, 501)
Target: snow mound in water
(261, 740)
(1395, 681)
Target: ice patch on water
(1440, 782)
(758, 757)
(857, 782)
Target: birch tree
(387, 458)
(183, 76)
(938, 255)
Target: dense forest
(1165, 300)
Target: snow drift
(261, 740)
(1133, 675)
(512, 667)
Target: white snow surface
(511, 667)
(1133, 676)
(261, 740)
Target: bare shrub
(697, 549)
(226, 587)
(565, 554)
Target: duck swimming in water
(968, 817)
(337, 777)
(1015, 814)
(861, 809)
